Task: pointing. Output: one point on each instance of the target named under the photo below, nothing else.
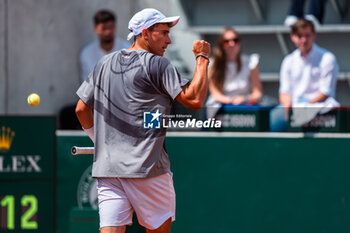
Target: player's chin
(161, 53)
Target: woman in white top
(233, 77)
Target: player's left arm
(193, 94)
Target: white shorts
(153, 200)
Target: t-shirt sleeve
(86, 90)
(165, 77)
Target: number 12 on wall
(29, 210)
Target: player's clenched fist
(201, 47)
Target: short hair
(103, 16)
(302, 24)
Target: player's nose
(168, 40)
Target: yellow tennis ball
(33, 99)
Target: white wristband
(90, 132)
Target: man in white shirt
(105, 28)
(308, 75)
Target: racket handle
(82, 150)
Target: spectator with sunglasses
(233, 77)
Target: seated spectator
(308, 76)
(233, 77)
(107, 42)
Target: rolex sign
(27, 173)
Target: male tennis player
(130, 163)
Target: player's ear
(145, 34)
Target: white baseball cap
(146, 18)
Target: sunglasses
(236, 40)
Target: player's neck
(139, 44)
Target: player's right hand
(201, 47)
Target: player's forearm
(198, 88)
(193, 95)
(84, 114)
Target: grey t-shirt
(123, 86)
